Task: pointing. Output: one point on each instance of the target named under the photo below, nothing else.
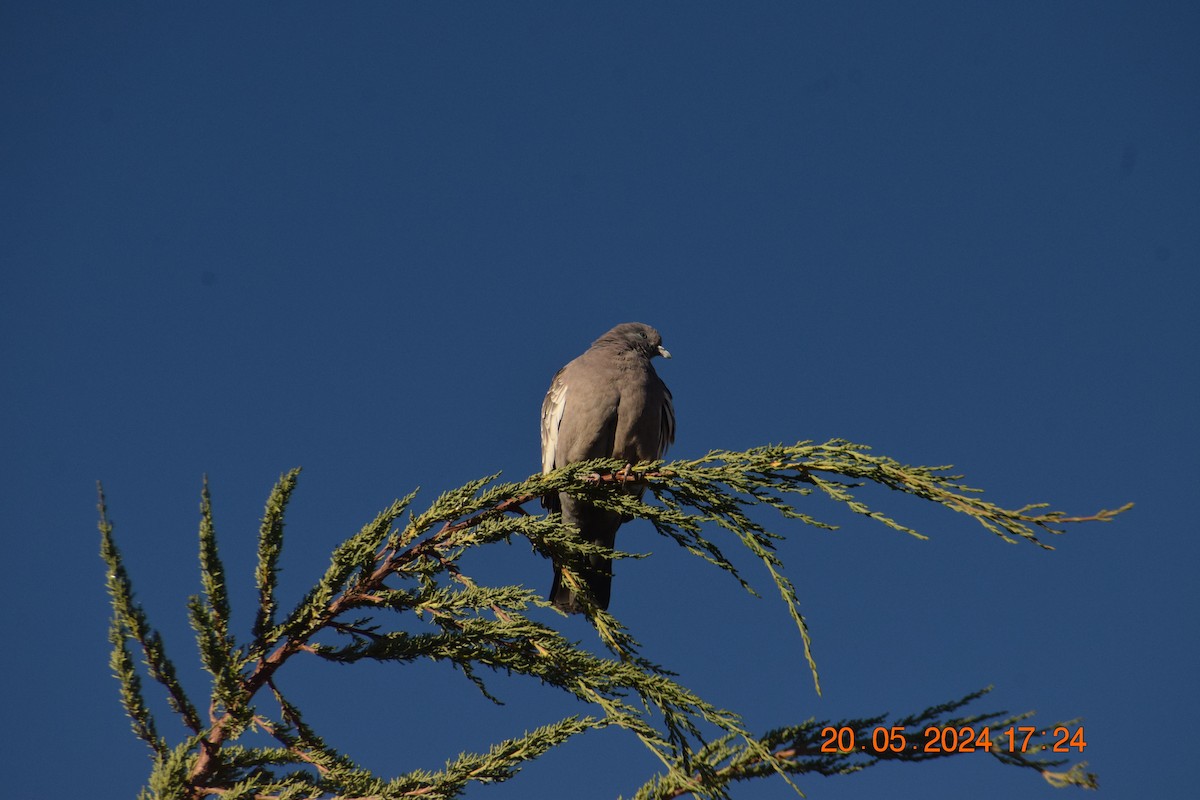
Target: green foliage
(391, 576)
(270, 545)
(799, 750)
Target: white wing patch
(552, 414)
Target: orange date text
(964, 739)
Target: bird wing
(552, 414)
(667, 423)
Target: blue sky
(238, 238)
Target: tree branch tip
(1103, 515)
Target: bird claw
(624, 475)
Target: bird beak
(664, 352)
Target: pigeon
(607, 403)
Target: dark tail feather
(599, 527)
(596, 574)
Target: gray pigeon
(607, 403)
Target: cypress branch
(802, 749)
(129, 622)
(505, 758)
(120, 660)
(270, 544)
(396, 591)
(210, 619)
(212, 572)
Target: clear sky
(238, 238)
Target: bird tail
(596, 575)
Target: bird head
(636, 336)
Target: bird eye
(642, 334)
